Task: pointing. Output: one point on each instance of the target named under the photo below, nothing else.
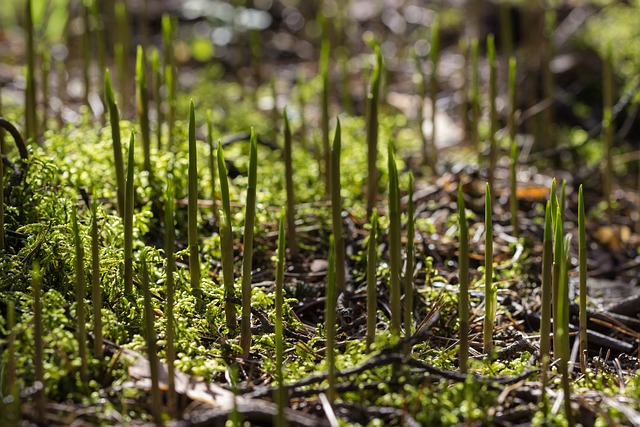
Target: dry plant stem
(493, 114)
(142, 103)
(212, 168)
(475, 94)
(372, 295)
(463, 298)
(194, 253)
(513, 163)
(31, 123)
(157, 95)
(489, 291)
(247, 256)
(226, 242)
(607, 126)
(170, 237)
(336, 210)
(431, 153)
(408, 271)
(582, 256)
(545, 316)
(81, 291)
(114, 120)
(152, 351)
(330, 321)
(280, 392)
(291, 200)
(96, 289)
(128, 221)
(394, 243)
(326, 149)
(372, 132)
(36, 285)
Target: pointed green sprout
(96, 289)
(489, 290)
(31, 124)
(493, 114)
(169, 243)
(157, 94)
(608, 127)
(291, 200)
(394, 243)
(372, 131)
(128, 221)
(372, 264)
(247, 256)
(553, 197)
(38, 332)
(557, 273)
(336, 210)
(280, 392)
(114, 120)
(212, 168)
(326, 148)
(475, 94)
(547, 285)
(142, 102)
(463, 274)
(582, 255)
(81, 333)
(513, 158)
(226, 243)
(330, 321)
(194, 253)
(563, 198)
(152, 351)
(430, 153)
(408, 271)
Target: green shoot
(226, 242)
(142, 103)
(326, 149)
(152, 351)
(394, 243)
(463, 298)
(38, 331)
(31, 123)
(513, 158)
(547, 285)
(212, 168)
(291, 200)
(582, 255)
(280, 393)
(169, 243)
(171, 103)
(489, 290)
(330, 321)
(247, 256)
(128, 221)
(81, 333)
(194, 253)
(493, 112)
(475, 94)
(553, 197)
(608, 128)
(430, 154)
(557, 277)
(114, 120)
(157, 94)
(96, 289)
(336, 210)
(408, 271)
(372, 295)
(372, 132)
(563, 198)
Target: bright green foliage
(372, 131)
(463, 298)
(582, 263)
(288, 172)
(490, 292)
(394, 243)
(547, 285)
(247, 256)
(408, 272)
(142, 104)
(150, 338)
(81, 331)
(194, 253)
(226, 241)
(114, 120)
(336, 210)
(128, 221)
(372, 263)
(280, 394)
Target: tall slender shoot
(128, 221)
(38, 331)
(513, 157)
(142, 103)
(372, 132)
(582, 263)
(394, 243)
(288, 173)
(493, 112)
(545, 312)
(157, 94)
(81, 328)
(489, 290)
(372, 294)
(31, 123)
(330, 321)
(226, 242)
(336, 210)
(152, 350)
(463, 277)
(169, 248)
(409, 264)
(561, 337)
(212, 168)
(96, 289)
(194, 252)
(114, 120)
(280, 392)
